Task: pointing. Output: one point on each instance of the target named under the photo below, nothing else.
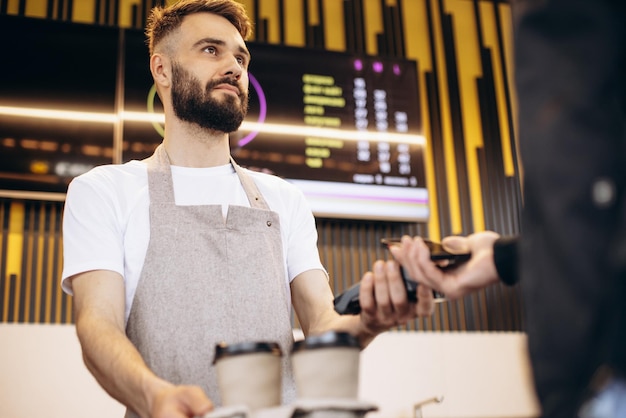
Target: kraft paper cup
(249, 374)
(326, 366)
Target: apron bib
(207, 280)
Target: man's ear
(161, 70)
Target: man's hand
(384, 302)
(181, 402)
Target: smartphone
(437, 253)
(348, 301)
(445, 260)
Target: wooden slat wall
(30, 271)
(463, 53)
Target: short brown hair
(164, 20)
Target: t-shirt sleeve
(302, 250)
(92, 239)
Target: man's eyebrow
(216, 41)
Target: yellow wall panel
(507, 34)
(84, 12)
(13, 6)
(334, 25)
(446, 125)
(491, 41)
(469, 66)
(416, 33)
(36, 9)
(373, 24)
(268, 9)
(294, 30)
(125, 16)
(417, 47)
(15, 239)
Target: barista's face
(210, 73)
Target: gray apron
(207, 280)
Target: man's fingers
(196, 400)
(382, 292)
(397, 289)
(366, 293)
(425, 301)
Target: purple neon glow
(262, 112)
(371, 198)
(358, 65)
(378, 67)
(396, 69)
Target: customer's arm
(113, 359)
(505, 257)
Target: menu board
(345, 129)
(353, 144)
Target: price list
(371, 104)
(352, 123)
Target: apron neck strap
(162, 187)
(252, 191)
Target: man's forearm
(117, 365)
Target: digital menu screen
(345, 129)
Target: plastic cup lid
(327, 340)
(223, 350)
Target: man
(570, 67)
(167, 257)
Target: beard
(194, 104)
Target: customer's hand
(476, 273)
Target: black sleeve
(505, 259)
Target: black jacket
(570, 76)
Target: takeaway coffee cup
(249, 374)
(326, 366)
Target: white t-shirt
(106, 217)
